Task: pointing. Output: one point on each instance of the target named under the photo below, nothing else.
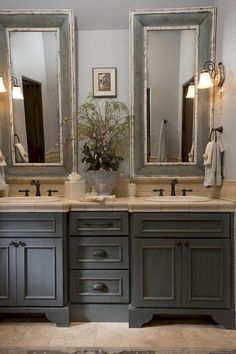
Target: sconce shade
(205, 80)
(2, 87)
(191, 91)
(16, 93)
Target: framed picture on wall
(104, 82)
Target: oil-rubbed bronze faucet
(37, 185)
(173, 183)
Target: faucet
(173, 183)
(37, 185)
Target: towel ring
(215, 130)
(17, 136)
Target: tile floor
(159, 334)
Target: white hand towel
(162, 151)
(207, 156)
(21, 154)
(213, 172)
(191, 154)
(2, 160)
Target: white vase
(103, 181)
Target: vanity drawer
(99, 286)
(32, 224)
(182, 224)
(99, 253)
(98, 223)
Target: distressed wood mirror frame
(63, 22)
(204, 20)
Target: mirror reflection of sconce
(211, 75)
(16, 90)
(191, 91)
(2, 87)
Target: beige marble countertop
(120, 203)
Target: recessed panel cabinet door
(206, 273)
(156, 280)
(7, 272)
(39, 272)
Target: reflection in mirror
(34, 62)
(170, 65)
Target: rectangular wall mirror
(170, 126)
(38, 56)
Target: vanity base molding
(58, 315)
(139, 316)
(99, 312)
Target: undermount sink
(29, 199)
(182, 199)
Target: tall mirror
(171, 117)
(39, 120)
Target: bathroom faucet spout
(37, 185)
(173, 183)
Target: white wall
(103, 49)
(226, 52)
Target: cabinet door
(7, 272)
(40, 272)
(206, 273)
(156, 278)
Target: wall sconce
(2, 87)
(16, 90)
(191, 91)
(211, 76)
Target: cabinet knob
(186, 244)
(99, 287)
(21, 243)
(99, 253)
(178, 243)
(12, 243)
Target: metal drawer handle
(178, 243)
(186, 244)
(99, 253)
(13, 243)
(21, 243)
(105, 225)
(99, 287)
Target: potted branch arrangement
(103, 128)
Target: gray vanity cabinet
(31, 272)
(33, 264)
(99, 266)
(181, 264)
(7, 272)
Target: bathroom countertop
(138, 204)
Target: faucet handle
(26, 191)
(160, 191)
(185, 190)
(50, 191)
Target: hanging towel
(162, 151)
(191, 154)
(2, 176)
(207, 156)
(21, 154)
(213, 171)
(2, 160)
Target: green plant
(103, 126)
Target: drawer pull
(186, 244)
(99, 287)
(93, 225)
(99, 253)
